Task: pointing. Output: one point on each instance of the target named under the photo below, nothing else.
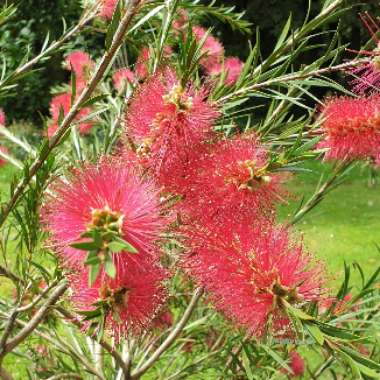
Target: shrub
(140, 234)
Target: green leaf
(92, 258)
(94, 99)
(284, 33)
(90, 314)
(93, 273)
(110, 268)
(316, 333)
(113, 25)
(298, 313)
(73, 86)
(86, 246)
(247, 366)
(144, 19)
(61, 115)
(337, 332)
(360, 358)
(118, 245)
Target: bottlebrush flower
(63, 101)
(121, 77)
(107, 9)
(163, 321)
(367, 76)
(5, 150)
(80, 62)
(233, 67)
(129, 302)
(231, 183)
(212, 47)
(297, 364)
(109, 190)
(253, 274)
(166, 121)
(351, 128)
(181, 20)
(2, 117)
(142, 63)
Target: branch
(75, 321)
(61, 346)
(56, 45)
(36, 320)
(292, 77)
(4, 375)
(298, 34)
(85, 95)
(7, 273)
(171, 337)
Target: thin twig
(36, 320)
(171, 337)
(7, 273)
(61, 346)
(84, 96)
(53, 47)
(323, 367)
(318, 195)
(8, 328)
(75, 321)
(43, 294)
(62, 376)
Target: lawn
(345, 227)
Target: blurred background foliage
(35, 18)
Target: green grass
(345, 226)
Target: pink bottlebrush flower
(167, 121)
(212, 47)
(163, 321)
(233, 67)
(338, 306)
(351, 128)
(112, 188)
(230, 184)
(51, 129)
(367, 76)
(63, 101)
(5, 150)
(297, 364)
(181, 20)
(82, 64)
(252, 274)
(121, 77)
(142, 63)
(130, 301)
(107, 9)
(79, 62)
(2, 117)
